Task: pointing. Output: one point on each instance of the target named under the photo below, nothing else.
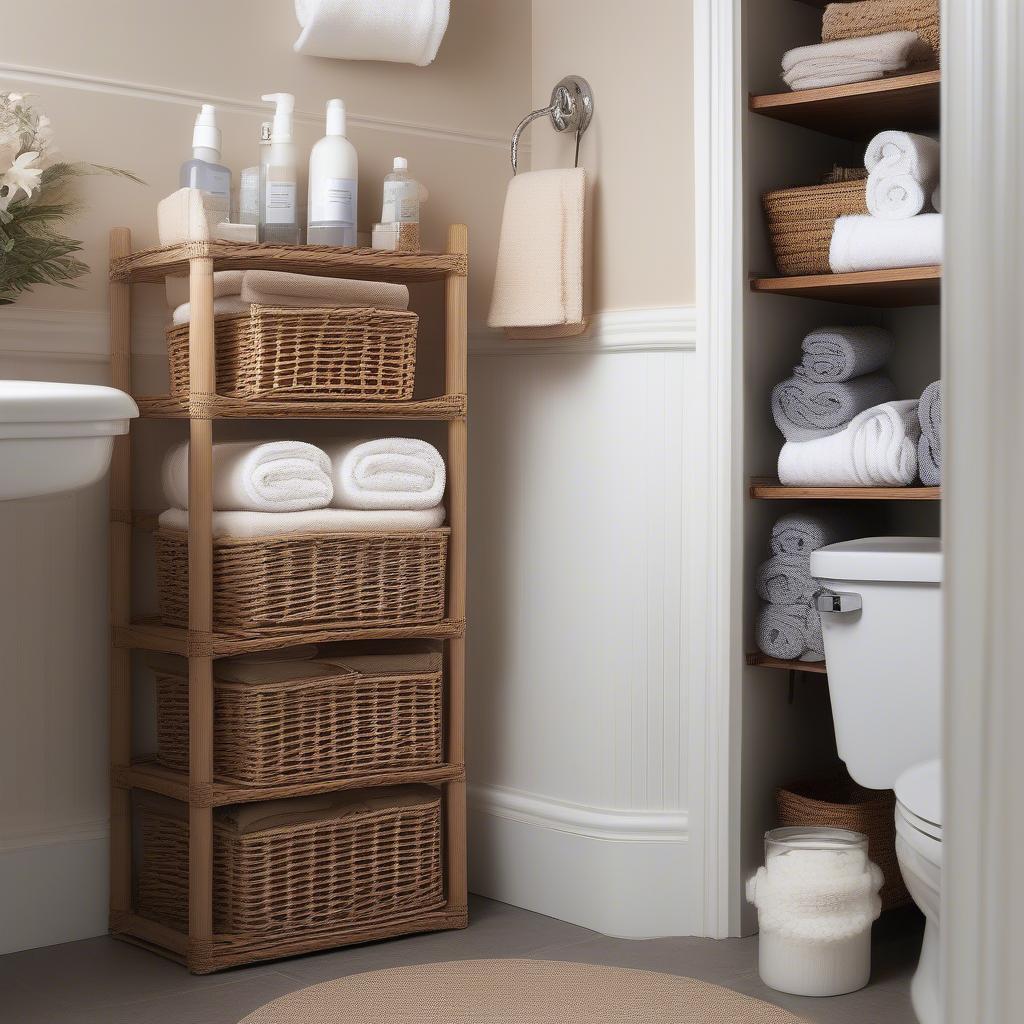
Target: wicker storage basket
(841, 803)
(800, 222)
(317, 353)
(358, 864)
(328, 726)
(346, 580)
(873, 17)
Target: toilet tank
(883, 652)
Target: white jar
(816, 896)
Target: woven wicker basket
(346, 580)
(841, 803)
(873, 17)
(321, 353)
(372, 865)
(332, 726)
(800, 222)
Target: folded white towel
(323, 520)
(859, 59)
(227, 305)
(405, 31)
(390, 472)
(538, 280)
(863, 242)
(877, 449)
(277, 288)
(903, 173)
(272, 476)
(225, 282)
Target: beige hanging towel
(538, 282)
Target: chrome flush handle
(841, 603)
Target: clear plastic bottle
(204, 170)
(402, 204)
(249, 181)
(279, 218)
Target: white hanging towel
(401, 31)
(538, 280)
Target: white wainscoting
(585, 477)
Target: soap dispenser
(279, 220)
(333, 184)
(204, 170)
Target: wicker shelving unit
(201, 948)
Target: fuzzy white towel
(850, 60)
(225, 282)
(403, 31)
(903, 173)
(273, 476)
(323, 520)
(863, 242)
(538, 280)
(226, 305)
(389, 472)
(277, 288)
(877, 449)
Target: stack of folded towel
(265, 489)
(788, 623)
(929, 449)
(234, 291)
(902, 187)
(838, 415)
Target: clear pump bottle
(205, 170)
(279, 220)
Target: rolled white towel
(227, 305)
(386, 473)
(877, 449)
(863, 242)
(904, 171)
(272, 476)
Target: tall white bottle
(279, 218)
(333, 184)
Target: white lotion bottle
(279, 219)
(204, 170)
(333, 184)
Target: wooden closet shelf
(912, 286)
(151, 265)
(767, 487)
(759, 660)
(152, 635)
(445, 408)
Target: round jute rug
(517, 992)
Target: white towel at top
(863, 242)
(386, 473)
(903, 172)
(404, 31)
(850, 60)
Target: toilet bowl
(881, 619)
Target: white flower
(22, 175)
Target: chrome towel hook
(571, 109)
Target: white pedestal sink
(57, 437)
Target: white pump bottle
(279, 220)
(205, 170)
(333, 184)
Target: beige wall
(638, 58)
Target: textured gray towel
(800, 533)
(790, 632)
(837, 354)
(929, 448)
(805, 409)
(786, 579)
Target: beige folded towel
(189, 215)
(226, 305)
(374, 657)
(538, 281)
(225, 282)
(850, 60)
(276, 288)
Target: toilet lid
(919, 790)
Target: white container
(279, 183)
(333, 184)
(204, 170)
(817, 896)
(401, 195)
(249, 181)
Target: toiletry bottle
(204, 170)
(249, 181)
(333, 184)
(402, 205)
(279, 218)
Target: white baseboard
(622, 873)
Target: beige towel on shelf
(538, 281)
(189, 215)
(276, 288)
(226, 305)
(225, 282)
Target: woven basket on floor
(345, 580)
(873, 17)
(800, 222)
(365, 867)
(841, 803)
(317, 353)
(331, 726)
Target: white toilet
(882, 628)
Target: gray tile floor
(103, 981)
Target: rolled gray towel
(804, 409)
(838, 354)
(929, 447)
(800, 533)
(786, 579)
(790, 632)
